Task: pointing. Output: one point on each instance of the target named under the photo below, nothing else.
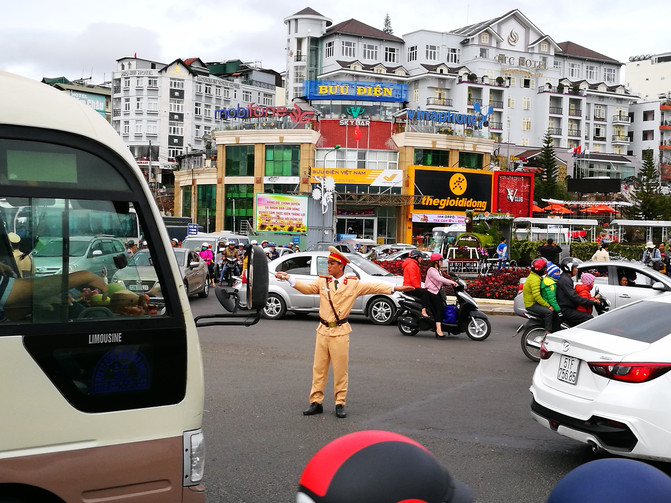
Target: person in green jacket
(531, 293)
(549, 289)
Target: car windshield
(368, 267)
(645, 321)
(140, 259)
(54, 248)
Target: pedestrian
(584, 289)
(24, 261)
(567, 298)
(337, 294)
(412, 276)
(601, 255)
(434, 283)
(502, 253)
(550, 251)
(652, 257)
(378, 467)
(531, 293)
(665, 256)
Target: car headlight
(193, 445)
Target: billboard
(452, 190)
(281, 213)
(355, 90)
(513, 193)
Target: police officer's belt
(332, 324)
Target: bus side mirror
(120, 260)
(257, 277)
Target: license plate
(568, 369)
(138, 287)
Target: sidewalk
(492, 306)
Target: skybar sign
(468, 120)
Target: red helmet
(378, 467)
(538, 266)
(435, 256)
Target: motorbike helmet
(254, 242)
(613, 480)
(415, 254)
(553, 270)
(435, 256)
(569, 263)
(271, 244)
(378, 467)
(539, 265)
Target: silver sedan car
(620, 282)
(307, 267)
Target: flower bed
(496, 285)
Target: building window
(282, 160)
(590, 72)
(152, 82)
(609, 75)
(390, 54)
(527, 83)
(197, 109)
(484, 53)
(511, 103)
(247, 96)
(412, 53)
(126, 82)
(328, 51)
(432, 52)
(240, 160)
(484, 38)
(138, 128)
(208, 88)
(526, 124)
(348, 49)
(648, 115)
(239, 204)
(138, 104)
(208, 111)
(206, 206)
(176, 129)
(176, 84)
(470, 160)
(526, 103)
(199, 88)
(544, 47)
(453, 55)
(152, 128)
(176, 106)
(267, 100)
(126, 127)
(139, 82)
(217, 91)
(648, 135)
(126, 104)
(574, 70)
(370, 51)
(427, 157)
(152, 105)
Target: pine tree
(647, 198)
(545, 185)
(387, 25)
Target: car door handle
(624, 296)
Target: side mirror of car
(658, 285)
(96, 253)
(120, 260)
(193, 265)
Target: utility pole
(151, 174)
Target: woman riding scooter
(433, 284)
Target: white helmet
(255, 242)
(205, 245)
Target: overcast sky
(75, 38)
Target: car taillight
(544, 353)
(630, 372)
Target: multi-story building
(97, 97)
(163, 111)
(649, 75)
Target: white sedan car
(306, 267)
(606, 383)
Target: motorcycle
(533, 330)
(230, 270)
(468, 317)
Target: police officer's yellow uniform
(332, 342)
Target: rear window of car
(645, 321)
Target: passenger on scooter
(433, 283)
(412, 276)
(531, 293)
(549, 289)
(567, 298)
(584, 288)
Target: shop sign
(355, 90)
(95, 101)
(521, 62)
(259, 111)
(513, 193)
(438, 218)
(372, 177)
(281, 213)
(468, 120)
(448, 190)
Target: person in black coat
(550, 251)
(567, 298)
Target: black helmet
(415, 254)
(378, 467)
(538, 265)
(569, 263)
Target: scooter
(533, 330)
(469, 319)
(230, 270)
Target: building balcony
(665, 125)
(665, 106)
(574, 132)
(442, 102)
(619, 138)
(575, 112)
(600, 118)
(496, 125)
(621, 119)
(556, 110)
(555, 131)
(116, 112)
(496, 104)
(665, 171)
(300, 57)
(599, 138)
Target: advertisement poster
(280, 213)
(514, 193)
(448, 190)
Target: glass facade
(186, 201)
(282, 160)
(427, 157)
(470, 160)
(239, 205)
(206, 207)
(240, 160)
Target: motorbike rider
(272, 252)
(567, 298)
(230, 252)
(433, 284)
(208, 257)
(412, 276)
(533, 300)
(549, 288)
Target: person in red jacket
(412, 276)
(583, 289)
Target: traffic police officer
(337, 294)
